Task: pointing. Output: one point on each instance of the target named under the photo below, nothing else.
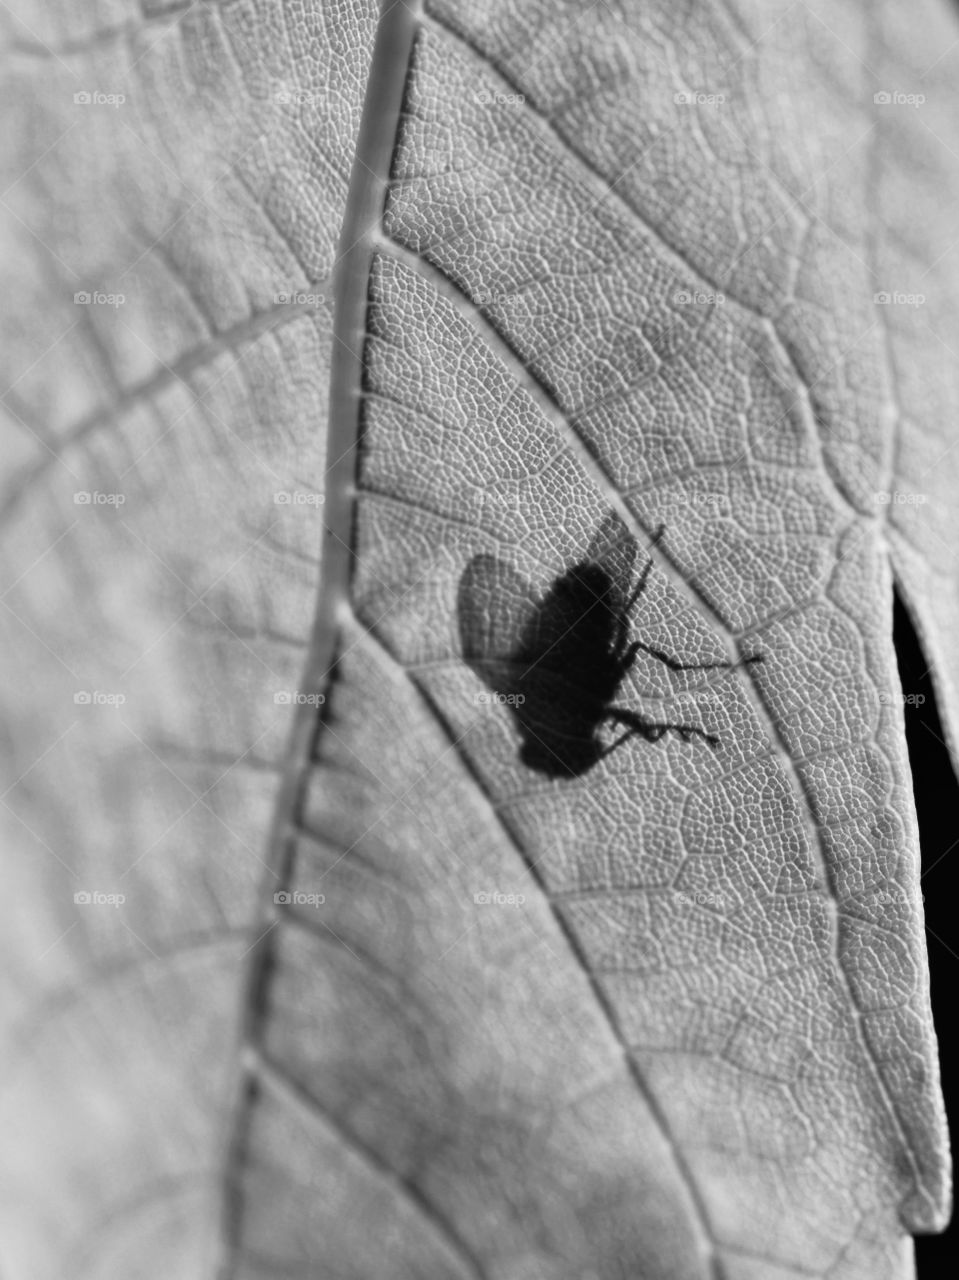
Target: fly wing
(613, 549)
(495, 606)
(515, 641)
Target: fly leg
(643, 577)
(649, 732)
(653, 730)
(675, 665)
(626, 654)
(623, 737)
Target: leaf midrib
(362, 239)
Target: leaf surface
(668, 1017)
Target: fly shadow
(558, 661)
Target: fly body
(559, 661)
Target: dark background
(937, 802)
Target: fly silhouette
(558, 662)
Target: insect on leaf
(354, 356)
(571, 652)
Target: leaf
(308, 969)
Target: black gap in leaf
(936, 790)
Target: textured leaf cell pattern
(565, 298)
